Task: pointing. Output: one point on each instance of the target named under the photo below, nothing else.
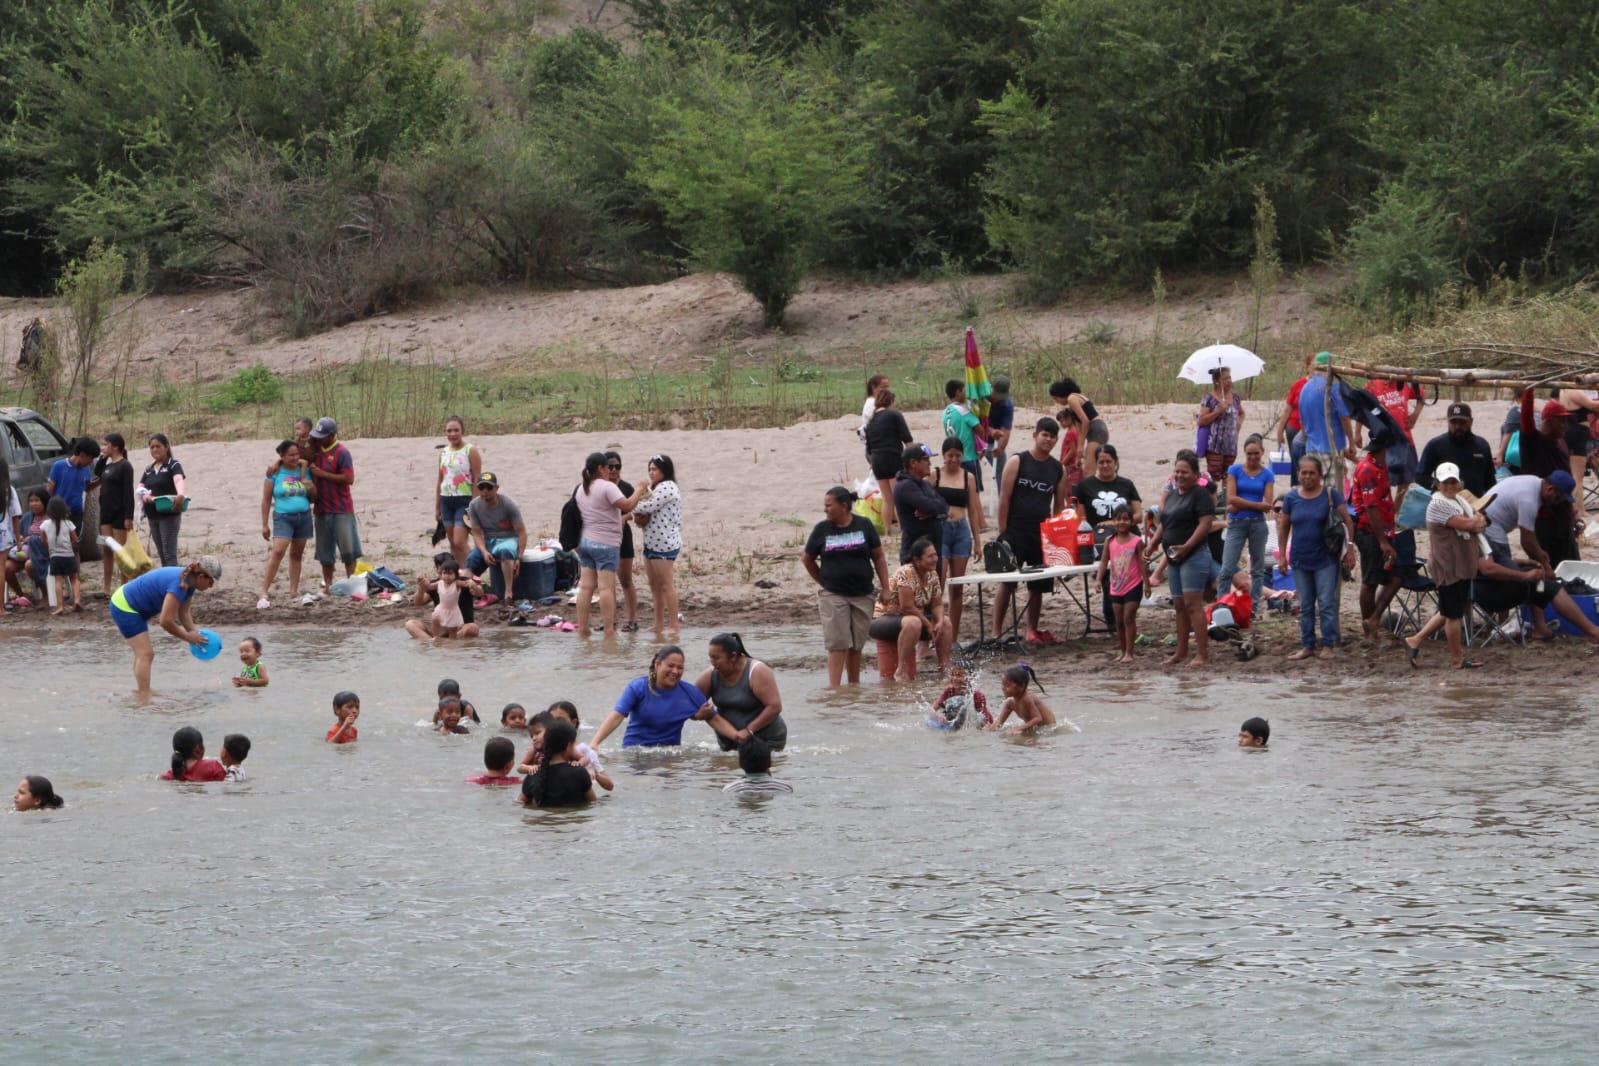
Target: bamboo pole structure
(1482, 377)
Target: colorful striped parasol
(978, 390)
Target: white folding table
(1062, 575)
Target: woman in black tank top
(1096, 430)
(963, 526)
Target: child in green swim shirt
(253, 673)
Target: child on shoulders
(252, 674)
(346, 708)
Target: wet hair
(874, 381)
(952, 386)
(341, 698)
(451, 701)
(660, 655)
(116, 441)
(591, 469)
(558, 738)
(1110, 450)
(42, 790)
(919, 545)
(42, 496)
(731, 643)
(565, 707)
(840, 494)
(185, 743)
(755, 756)
(498, 753)
(952, 444)
(1314, 461)
(541, 721)
(256, 644)
(85, 446)
(1064, 388)
(56, 510)
(1022, 674)
(505, 712)
(885, 398)
(1187, 455)
(458, 420)
(664, 463)
(449, 687)
(1047, 425)
(237, 745)
(1258, 728)
(285, 445)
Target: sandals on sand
(1470, 664)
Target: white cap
(1446, 472)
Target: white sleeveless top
(457, 466)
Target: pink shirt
(602, 522)
(1125, 575)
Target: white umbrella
(1241, 361)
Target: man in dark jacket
(920, 508)
(1473, 455)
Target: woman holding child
(656, 706)
(744, 692)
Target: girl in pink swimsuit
(447, 620)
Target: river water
(1405, 875)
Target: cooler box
(1588, 604)
(534, 581)
(1282, 463)
(1059, 533)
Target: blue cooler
(1589, 606)
(1282, 463)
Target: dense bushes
(347, 155)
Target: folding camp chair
(1482, 629)
(1416, 599)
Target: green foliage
(775, 25)
(755, 167)
(254, 384)
(95, 296)
(1401, 252)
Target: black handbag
(999, 557)
(1334, 534)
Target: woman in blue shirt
(655, 707)
(286, 498)
(1250, 488)
(1302, 541)
(162, 595)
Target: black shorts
(1135, 596)
(1372, 571)
(1508, 595)
(886, 627)
(627, 540)
(886, 465)
(1028, 544)
(63, 566)
(114, 519)
(1577, 437)
(1453, 598)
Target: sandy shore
(751, 497)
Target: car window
(18, 451)
(46, 444)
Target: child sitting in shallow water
(498, 756)
(451, 687)
(1029, 710)
(346, 708)
(513, 717)
(252, 674)
(959, 704)
(235, 749)
(1254, 733)
(449, 716)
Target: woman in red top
(188, 759)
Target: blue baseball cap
(1563, 483)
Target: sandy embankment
(751, 496)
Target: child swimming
(346, 708)
(958, 703)
(1254, 733)
(498, 755)
(253, 673)
(1029, 710)
(567, 710)
(188, 759)
(451, 687)
(513, 717)
(450, 716)
(235, 749)
(558, 781)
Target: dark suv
(30, 444)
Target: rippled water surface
(1406, 875)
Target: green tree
(756, 167)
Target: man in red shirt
(1403, 400)
(1288, 428)
(1372, 498)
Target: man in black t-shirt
(1032, 488)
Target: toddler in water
(755, 759)
(513, 717)
(566, 710)
(61, 540)
(958, 702)
(558, 781)
(498, 755)
(253, 673)
(451, 687)
(449, 716)
(1124, 561)
(235, 749)
(1027, 708)
(447, 620)
(346, 708)
(1254, 733)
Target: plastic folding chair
(1416, 600)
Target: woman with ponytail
(744, 692)
(1028, 708)
(841, 555)
(188, 759)
(559, 780)
(35, 793)
(599, 551)
(161, 596)
(656, 706)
